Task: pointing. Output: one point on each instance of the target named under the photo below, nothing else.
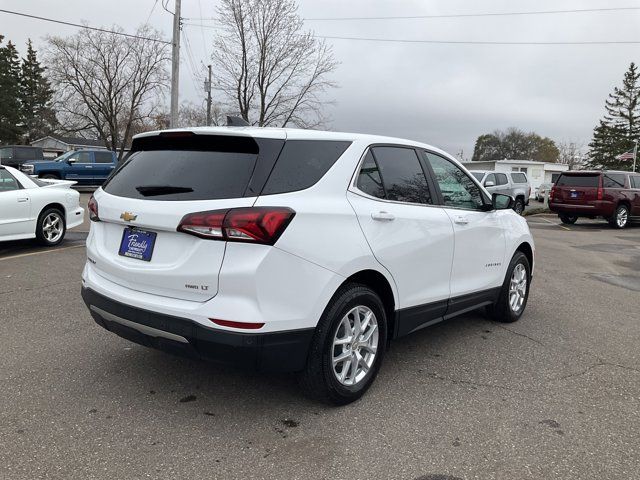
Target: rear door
(502, 184)
(164, 179)
(634, 181)
(408, 233)
(103, 165)
(479, 236)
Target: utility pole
(635, 155)
(175, 66)
(207, 88)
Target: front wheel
(514, 292)
(518, 206)
(51, 227)
(347, 348)
(620, 219)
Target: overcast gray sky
(445, 95)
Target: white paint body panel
(19, 209)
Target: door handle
(383, 216)
(23, 199)
(88, 166)
(460, 220)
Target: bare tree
(270, 70)
(107, 83)
(571, 153)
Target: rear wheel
(518, 206)
(620, 219)
(347, 348)
(514, 292)
(568, 219)
(51, 227)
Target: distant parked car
(613, 195)
(514, 184)
(16, 155)
(542, 191)
(32, 208)
(86, 167)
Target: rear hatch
(136, 244)
(577, 188)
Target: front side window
(82, 157)
(7, 182)
(458, 190)
(490, 178)
(402, 175)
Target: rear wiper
(153, 190)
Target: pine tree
(37, 115)
(620, 127)
(10, 131)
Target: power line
(461, 42)
(459, 15)
(490, 14)
(61, 22)
(151, 12)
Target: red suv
(609, 194)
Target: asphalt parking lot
(556, 395)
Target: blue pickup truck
(87, 167)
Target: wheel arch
(527, 250)
(57, 206)
(49, 172)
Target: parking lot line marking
(40, 252)
(561, 226)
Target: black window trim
(428, 175)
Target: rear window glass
(578, 181)
(613, 180)
(26, 154)
(369, 180)
(183, 175)
(302, 163)
(103, 157)
(519, 178)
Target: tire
(320, 378)
(51, 227)
(502, 310)
(620, 219)
(518, 206)
(568, 219)
(50, 176)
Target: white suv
(296, 250)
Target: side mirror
(71, 160)
(502, 202)
(489, 183)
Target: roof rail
(233, 121)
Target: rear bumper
(595, 209)
(277, 352)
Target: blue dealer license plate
(137, 244)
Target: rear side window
(613, 180)
(635, 182)
(402, 175)
(519, 178)
(302, 163)
(103, 157)
(578, 181)
(26, 154)
(369, 180)
(501, 179)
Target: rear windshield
(578, 181)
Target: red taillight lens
(93, 210)
(232, 324)
(252, 224)
(552, 192)
(600, 193)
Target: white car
(296, 250)
(32, 208)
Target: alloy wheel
(355, 345)
(518, 288)
(52, 227)
(622, 216)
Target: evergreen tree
(37, 116)
(620, 127)
(10, 131)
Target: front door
(81, 168)
(480, 243)
(408, 233)
(15, 206)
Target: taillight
(93, 210)
(600, 193)
(552, 192)
(232, 324)
(252, 224)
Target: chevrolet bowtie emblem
(128, 217)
